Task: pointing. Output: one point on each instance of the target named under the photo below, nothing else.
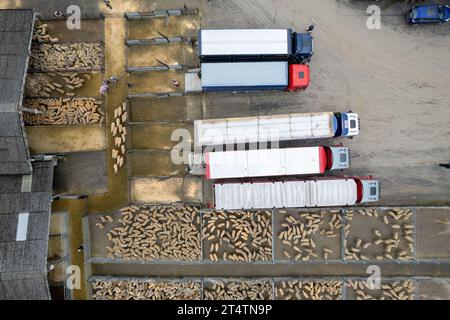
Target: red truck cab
(298, 77)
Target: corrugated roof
(245, 74)
(23, 264)
(23, 286)
(16, 31)
(25, 208)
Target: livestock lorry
(296, 126)
(248, 76)
(313, 192)
(269, 162)
(233, 45)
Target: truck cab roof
(341, 158)
(371, 190)
(350, 124)
(299, 77)
(303, 47)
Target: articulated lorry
(269, 162)
(233, 45)
(296, 126)
(314, 192)
(248, 76)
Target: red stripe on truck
(359, 190)
(208, 168)
(322, 159)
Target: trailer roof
(245, 74)
(264, 162)
(289, 194)
(245, 42)
(264, 128)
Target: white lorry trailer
(229, 45)
(269, 162)
(248, 76)
(317, 192)
(297, 126)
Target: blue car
(434, 13)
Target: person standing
(175, 83)
(58, 14)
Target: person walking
(445, 165)
(108, 4)
(104, 88)
(175, 83)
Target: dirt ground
(186, 26)
(171, 54)
(91, 31)
(156, 82)
(57, 225)
(435, 289)
(175, 109)
(76, 209)
(140, 135)
(265, 270)
(166, 191)
(81, 173)
(433, 233)
(64, 139)
(154, 163)
(115, 63)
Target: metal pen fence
(203, 260)
(345, 292)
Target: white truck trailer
(297, 126)
(269, 162)
(248, 76)
(318, 192)
(227, 45)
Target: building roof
(16, 32)
(25, 184)
(24, 232)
